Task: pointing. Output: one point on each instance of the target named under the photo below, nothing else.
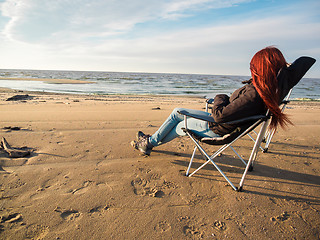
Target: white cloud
(95, 35)
(264, 31)
(178, 8)
(39, 20)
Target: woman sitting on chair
(272, 78)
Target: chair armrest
(200, 117)
(285, 102)
(248, 119)
(210, 100)
(210, 119)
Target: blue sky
(172, 36)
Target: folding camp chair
(294, 72)
(226, 141)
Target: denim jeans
(171, 128)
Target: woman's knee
(177, 110)
(175, 113)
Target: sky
(160, 36)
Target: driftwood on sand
(13, 152)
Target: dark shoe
(143, 145)
(140, 135)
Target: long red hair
(264, 67)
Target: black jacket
(246, 102)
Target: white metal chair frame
(262, 136)
(299, 67)
(259, 119)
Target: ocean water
(142, 83)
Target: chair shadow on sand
(260, 173)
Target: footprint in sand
(83, 188)
(220, 225)
(11, 218)
(144, 170)
(200, 199)
(142, 187)
(10, 221)
(68, 215)
(162, 227)
(282, 217)
(192, 231)
(99, 210)
(193, 228)
(95, 209)
(36, 232)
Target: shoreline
(6, 92)
(9, 90)
(82, 87)
(48, 80)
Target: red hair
(264, 67)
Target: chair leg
(269, 140)
(262, 149)
(191, 160)
(238, 156)
(253, 153)
(249, 165)
(209, 159)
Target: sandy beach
(83, 180)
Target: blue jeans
(171, 128)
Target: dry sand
(84, 181)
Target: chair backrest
(290, 76)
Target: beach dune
(83, 180)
